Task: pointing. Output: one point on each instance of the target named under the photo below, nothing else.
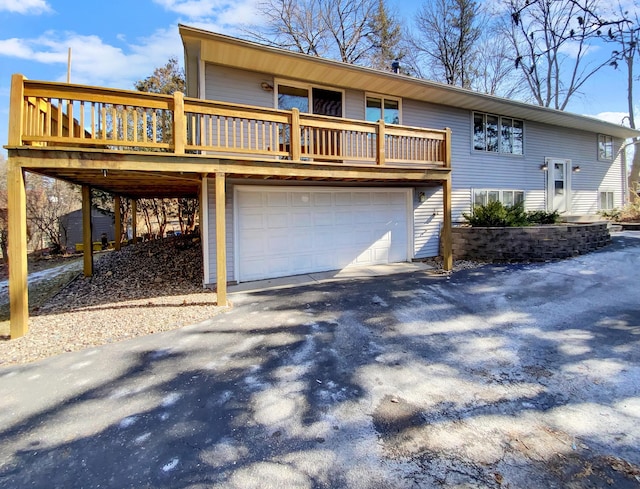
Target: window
(606, 200)
(496, 134)
(507, 197)
(383, 108)
(605, 147)
(320, 100)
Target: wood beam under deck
(186, 170)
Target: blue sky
(117, 42)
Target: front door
(558, 185)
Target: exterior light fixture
(267, 87)
(104, 172)
(544, 166)
(422, 197)
(576, 169)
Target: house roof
(237, 53)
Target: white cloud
(25, 6)
(225, 12)
(193, 8)
(613, 117)
(95, 62)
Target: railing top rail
(55, 89)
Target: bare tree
(338, 29)
(551, 40)
(292, 24)
(47, 199)
(625, 35)
(445, 41)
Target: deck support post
(221, 240)
(446, 235)
(134, 220)
(118, 222)
(87, 241)
(17, 251)
(380, 140)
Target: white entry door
(291, 231)
(559, 184)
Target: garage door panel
(277, 199)
(279, 220)
(294, 231)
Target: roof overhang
(237, 53)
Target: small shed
(70, 226)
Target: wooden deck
(135, 145)
(58, 115)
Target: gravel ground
(144, 289)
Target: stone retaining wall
(534, 243)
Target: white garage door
(287, 231)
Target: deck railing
(70, 116)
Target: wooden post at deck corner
(446, 235)
(16, 110)
(17, 251)
(447, 154)
(87, 241)
(221, 240)
(179, 123)
(118, 223)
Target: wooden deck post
(179, 123)
(380, 137)
(447, 253)
(134, 220)
(295, 134)
(447, 154)
(87, 241)
(221, 240)
(118, 222)
(17, 251)
(16, 110)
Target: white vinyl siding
(427, 221)
(237, 86)
(211, 231)
(477, 169)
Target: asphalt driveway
(502, 376)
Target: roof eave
(278, 62)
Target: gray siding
(354, 105)
(427, 220)
(237, 86)
(475, 169)
(211, 232)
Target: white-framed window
(482, 196)
(605, 147)
(606, 200)
(497, 134)
(382, 107)
(309, 99)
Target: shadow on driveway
(502, 376)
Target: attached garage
(282, 231)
